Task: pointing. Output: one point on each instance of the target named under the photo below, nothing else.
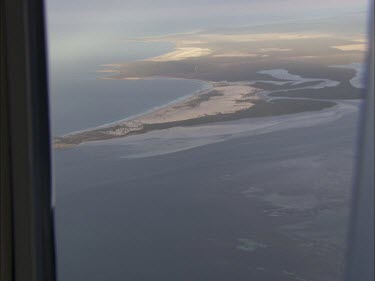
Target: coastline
(150, 110)
(136, 124)
(231, 95)
(255, 103)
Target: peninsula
(249, 77)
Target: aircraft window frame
(27, 240)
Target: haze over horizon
(93, 28)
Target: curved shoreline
(119, 121)
(133, 125)
(236, 100)
(184, 138)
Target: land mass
(249, 78)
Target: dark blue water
(181, 216)
(80, 99)
(87, 103)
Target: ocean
(247, 207)
(81, 99)
(253, 199)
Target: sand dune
(219, 100)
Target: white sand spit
(181, 54)
(352, 47)
(275, 50)
(231, 55)
(230, 99)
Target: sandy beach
(224, 101)
(221, 99)
(250, 77)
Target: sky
(113, 10)
(86, 27)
